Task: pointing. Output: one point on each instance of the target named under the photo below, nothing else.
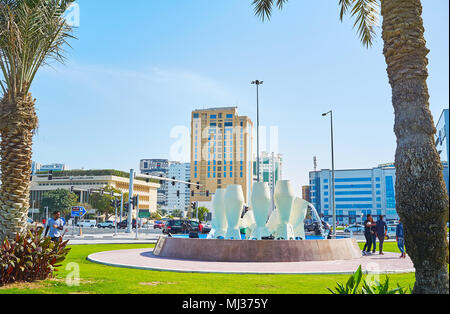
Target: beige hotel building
(221, 152)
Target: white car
(87, 223)
(392, 232)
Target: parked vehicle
(107, 224)
(391, 233)
(310, 227)
(31, 225)
(159, 225)
(354, 228)
(87, 223)
(180, 226)
(124, 224)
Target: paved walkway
(110, 238)
(144, 259)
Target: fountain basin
(262, 251)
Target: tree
(102, 203)
(421, 196)
(177, 213)
(32, 33)
(60, 199)
(201, 213)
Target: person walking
(400, 236)
(55, 226)
(368, 224)
(381, 232)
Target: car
(391, 232)
(124, 224)
(87, 223)
(354, 228)
(310, 227)
(159, 225)
(180, 226)
(107, 224)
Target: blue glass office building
(358, 192)
(442, 142)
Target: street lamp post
(332, 171)
(257, 83)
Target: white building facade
(178, 194)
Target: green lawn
(100, 279)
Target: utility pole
(257, 83)
(332, 171)
(130, 207)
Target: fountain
(285, 224)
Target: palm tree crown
(365, 12)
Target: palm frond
(32, 32)
(263, 8)
(367, 14)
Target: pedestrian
(200, 227)
(55, 227)
(400, 236)
(381, 232)
(368, 224)
(373, 234)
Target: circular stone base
(215, 250)
(145, 259)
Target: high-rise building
(157, 168)
(221, 152)
(442, 143)
(178, 194)
(270, 169)
(306, 193)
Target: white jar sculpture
(261, 205)
(234, 202)
(220, 219)
(284, 200)
(299, 211)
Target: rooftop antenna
(315, 163)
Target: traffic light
(198, 185)
(173, 182)
(207, 193)
(71, 189)
(192, 193)
(113, 203)
(178, 194)
(193, 205)
(50, 175)
(135, 201)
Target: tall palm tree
(32, 33)
(422, 200)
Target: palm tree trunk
(17, 122)
(422, 200)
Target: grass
(100, 279)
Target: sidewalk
(109, 238)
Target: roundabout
(145, 259)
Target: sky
(136, 72)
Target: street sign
(144, 213)
(78, 211)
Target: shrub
(30, 257)
(353, 283)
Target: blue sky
(137, 71)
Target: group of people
(374, 230)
